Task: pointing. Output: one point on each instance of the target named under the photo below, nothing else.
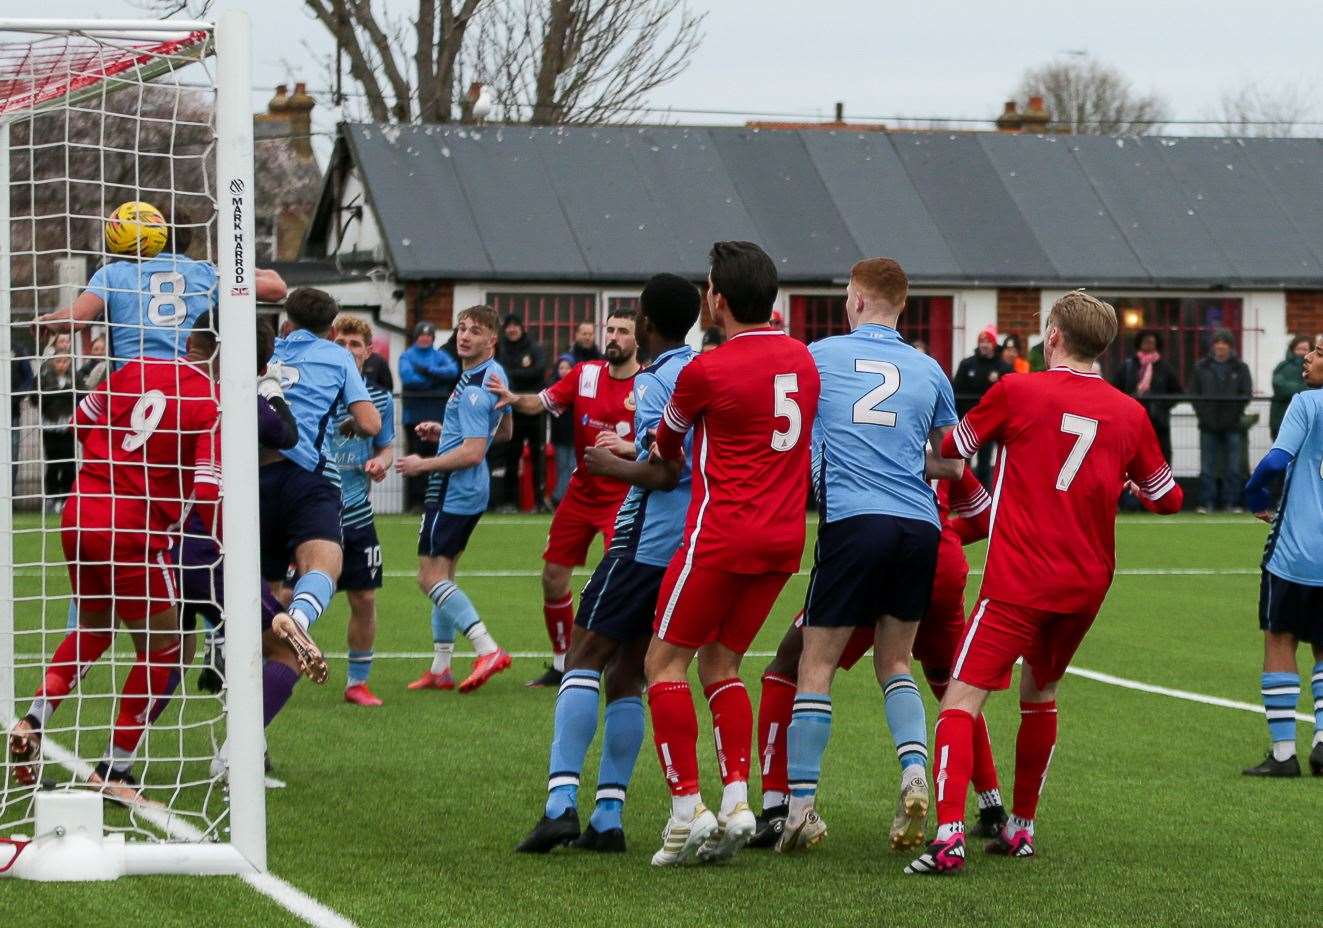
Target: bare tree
(1085, 95)
(1262, 111)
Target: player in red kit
(1070, 444)
(751, 404)
(963, 507)
(598, 395)
(150, 438)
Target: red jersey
(751, 403)
(151, 443)
(963, 508)
(599, 403)
(1069, 440)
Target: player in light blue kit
(457, 492)
(359, 462)
(150, 304)
(882, 402)
(1291, 588)
(613, 626)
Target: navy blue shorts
(868, 566)
(620, 599)
(444, 534)
(296, 506)
(1291, 608)
(362, 565)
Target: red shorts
(943, 625)
(105, 572)
(1001, 633)
(573, 527)
(698, 605)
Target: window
(926, 319)
(1185, 326)
(550, 318)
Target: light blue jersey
(319, 376)
(650, 523)
(880, 399)
(350, 452)
(1295, 547)
(470, 413)
(151, 305)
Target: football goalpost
(94, 113)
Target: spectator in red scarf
(1152, 380)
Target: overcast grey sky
(913, 58)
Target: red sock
(775, 704)
(732, 727)
(75, 655)
(559, 617)
(985, 767)
(146, 681)
(953, 753)
(1033, 752)
(675, 732)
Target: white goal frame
(245, 852)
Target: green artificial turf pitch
(408, 814)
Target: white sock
(558, 662)
(683, 808)
(1284, 750)
(482, 640)
(944, 832)
(799, 805)
(910, 774)
(989, 798)
(735, 792)
(1020, 824)
(772, 798)
(442, 652)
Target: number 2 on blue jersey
(865, 410)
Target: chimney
(299, 109)
(840, 111)
(1035, 117)
(1010, 119)
(279, 104)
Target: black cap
(512, 317)
(424, 328)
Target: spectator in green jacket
(1288, 379)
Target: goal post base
(71, 846)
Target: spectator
(525, 364)
(585, 343)
(1147, 374)
(376, 371)
(562, 438)
(56, 399)
(713, 337)
(1222, 389)
(22, 384)
(974, 377)
(1012, 352)
(95, 368)
(1036, 360)
(427, 377)
(1288, 379)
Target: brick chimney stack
(299, 107)
(1035, 117)
(1010, 119)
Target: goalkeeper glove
(268, 385)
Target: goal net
(95, 115)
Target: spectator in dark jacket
(1222, 389)
(426, 377)
(376, 371)
(1288, 379)
(974, 377)
(525, 364)
(22, 384)
(585, 343)
(562, 437)
(56, 399)
(1146, 374)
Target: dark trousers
(1221, 455)
(983, 464)
(530, 429)
(415, 488)
(58, 448)
(1163, 431)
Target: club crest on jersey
(630, 403)
(473, 399)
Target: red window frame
(1185, 325)
(926, 317)
(549, 318)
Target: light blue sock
(360, 666)
(622, 737)
(454, 605)
(1316, 687)
(905, 718)
(806, 741)
(71, 618)
(576, 723)
(312, 594)
(1281, 691)
(443, 626)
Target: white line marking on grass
(974, 572)
(292, 900)
(1206, 700)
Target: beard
(617, 355)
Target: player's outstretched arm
(467, 454)
(938, 466)
(85, 309)
(650, 473)
(271, 287)
(504, 431)
(366, 416)
(1258, 491)
(377, 466)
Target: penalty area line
(288, 897)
